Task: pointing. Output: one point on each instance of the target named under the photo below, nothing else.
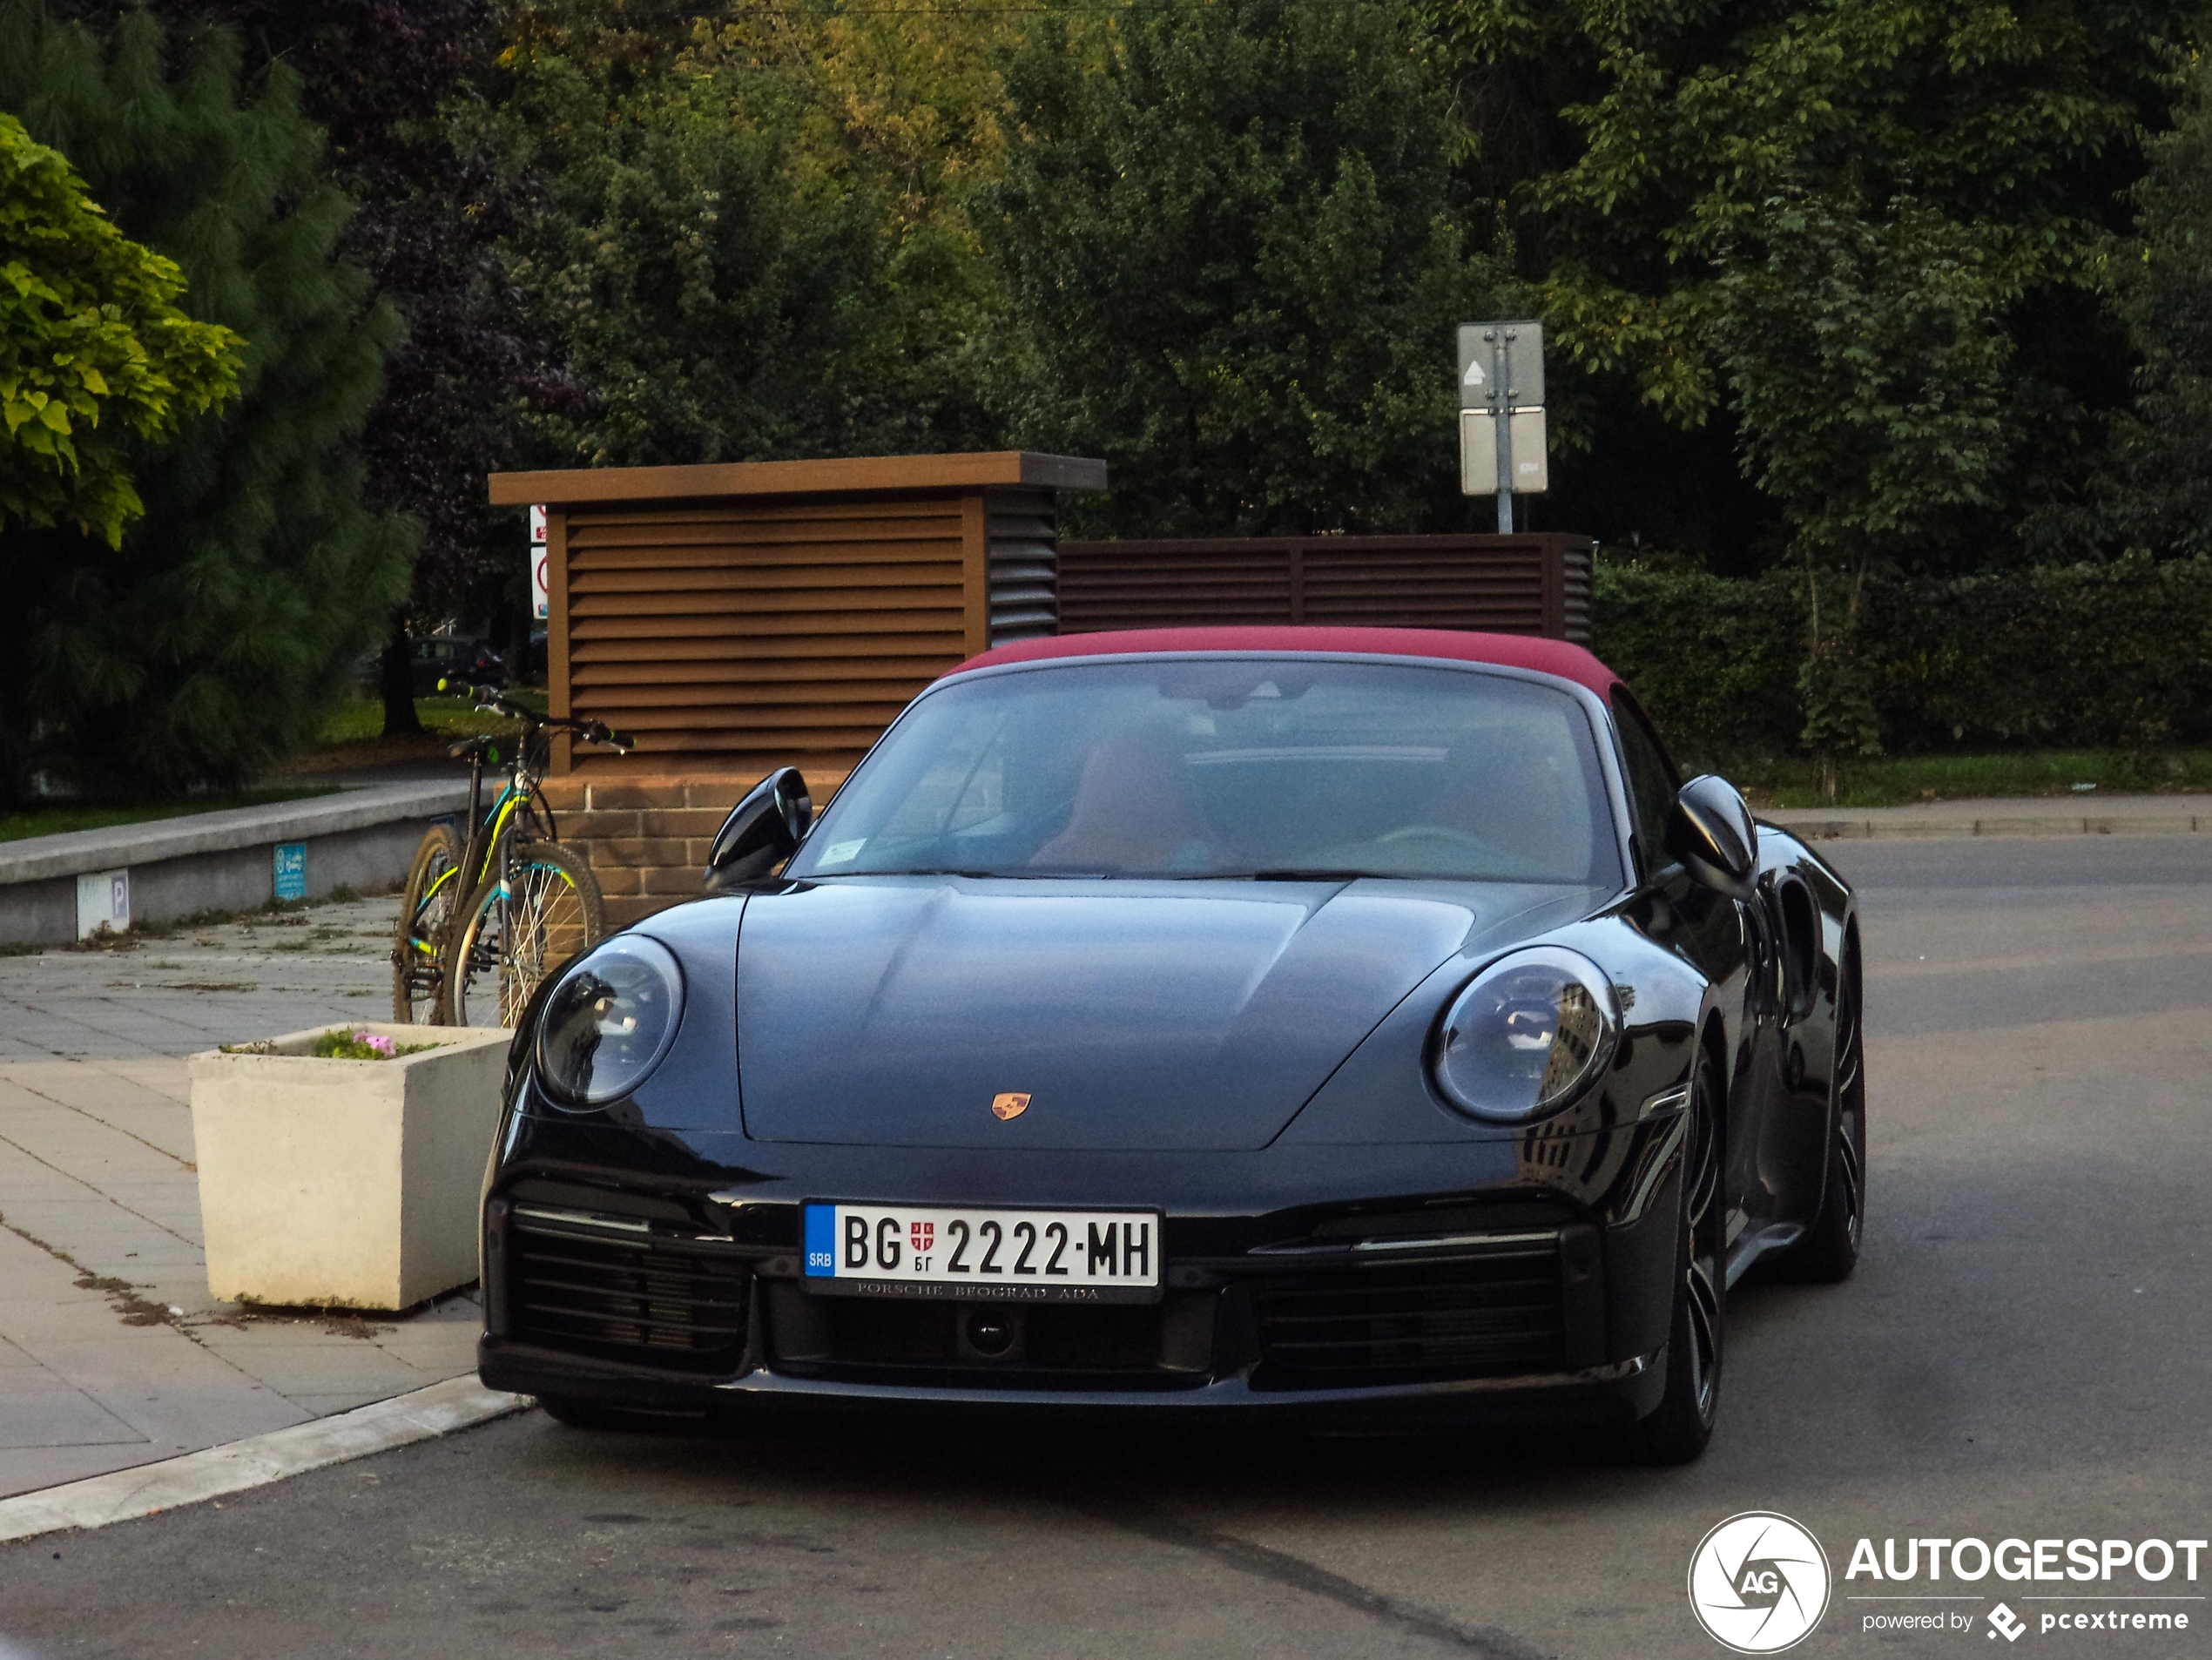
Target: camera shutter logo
(1758, 1582)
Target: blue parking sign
(291, 870)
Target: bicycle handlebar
(592, 731)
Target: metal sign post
(1501, 392)
(1501, 413)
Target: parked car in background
(455, 656)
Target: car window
(1231, 767)
(1652, 779)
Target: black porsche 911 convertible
(1352, 1024)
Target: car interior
(1231, 769)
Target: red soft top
(1555, 658)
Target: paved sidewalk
(111, 1352)
(2090, 813)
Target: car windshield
(1229, 767)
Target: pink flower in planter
(384, 1046)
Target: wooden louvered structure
(739, 616)
(743, 617)
(1538, 583)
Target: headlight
(609, 1021)
(1532, 1031)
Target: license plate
(983, 1255)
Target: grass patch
(361, 720)
(1903, 781)
(21, 825)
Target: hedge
(2090, 656)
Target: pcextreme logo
(1758, 1582)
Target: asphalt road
(2023, 1351)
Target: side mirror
(762, 830)
(1711, 831)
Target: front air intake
(1498, 1313)
(611, 1287)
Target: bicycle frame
(517, 816)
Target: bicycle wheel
(426, 915)
(500, 954)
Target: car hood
(891, 1011)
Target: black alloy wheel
(1677, 1430)
(1830, 1250)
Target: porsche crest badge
(1008, 1106)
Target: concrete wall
(179, 867)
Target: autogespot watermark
(2146, 1577)
(1760, 1582)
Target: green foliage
(2117, 654)
(210, 644)
(88, 332)
(2162, 286)
(1865, 367)
(731, 276)
(339, 1044)
(1636, 149)
(1232, 271)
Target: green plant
(339, 1044)
(1233, 266)
(209, 643)
(88, 333)
(2114, 656)
(2161, 283)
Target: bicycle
(482, 923)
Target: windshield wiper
(1295, 874)
(926, 873)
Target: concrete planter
(345, 1183)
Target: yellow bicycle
(482, 922)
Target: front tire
(553, 913)
(1676, 1431)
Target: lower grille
(1497, 1314)
(1165, 1344)
(647, 1301)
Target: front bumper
(654, 1272)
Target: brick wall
(646, 838)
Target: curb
(2114, 824)
(122, 1495)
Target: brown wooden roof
(841, 475)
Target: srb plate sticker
(971, 1255)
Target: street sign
(291, 870)
(541, 591)
(1521, 344)
(1501, 412)
(1479, 453)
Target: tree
(1226, 234)
(2162, 288)
(88, 334)
(211, 643)
(728, 276)
(1626, 145)
(1866, 369)
(385, 78)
